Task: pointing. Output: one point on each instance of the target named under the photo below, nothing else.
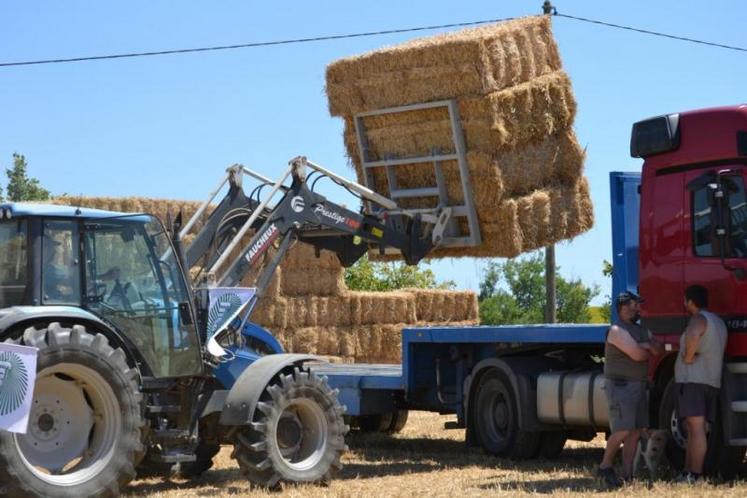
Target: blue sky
(167, 126)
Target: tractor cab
(120, 268)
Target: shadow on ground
(376, 455)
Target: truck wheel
(379, 422)
(297, 435)
(399, 420)
(387, 423)
(719, 459)
(551, 444)
(496, 420)
(86, 421)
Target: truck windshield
(13, 263)
(133, 281)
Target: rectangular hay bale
(443, 306)
(469, 62)
(312, 282)
(381, 307)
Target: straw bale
(303, 256)
(491, 124)
(156, 207)
(442, 306)
(525, 223)
(382, 307)
(271, 312)
(308, 311)
(473, 61)
(305, 340)
(312, 282)
(379, 343)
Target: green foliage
(20, 186)
(607, 268)
(522, 297)
(606, 308)
(366, 275)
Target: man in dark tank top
(627, 350)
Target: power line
(251, 45)
(654, 33)
(361, 35)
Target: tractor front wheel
(297, 434)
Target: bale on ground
(381, 307)
(312, 282)
(444, 306)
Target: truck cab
(693, 218)
(693, 230)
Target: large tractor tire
(297, 435)
(719, 460)
(86, 421)
(495, 419)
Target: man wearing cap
(697, 373)
(627, 350)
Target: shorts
(696, 400)
(628, 404)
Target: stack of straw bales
(516, 110)
(309, 309)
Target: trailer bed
(376, 388)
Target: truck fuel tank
(572, 398)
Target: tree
(20, 186)
(606, 308)
(521, 299)
(367, 275)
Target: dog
(650, 451)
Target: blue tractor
(118, 309)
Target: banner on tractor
(225, 305)
(17, 377)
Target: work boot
(688, 478)
(609, 478)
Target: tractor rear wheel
(297, 434)
(86, 420)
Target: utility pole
(550, 300)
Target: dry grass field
(425, 460)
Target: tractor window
(13, 263)
(705, 240)
(60, 269)
(132, 281)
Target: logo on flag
(17, 377)
(14, 382)
(225, 304)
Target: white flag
(225, 305)
(17, 377)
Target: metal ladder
(452, 237)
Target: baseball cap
(627, 296)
